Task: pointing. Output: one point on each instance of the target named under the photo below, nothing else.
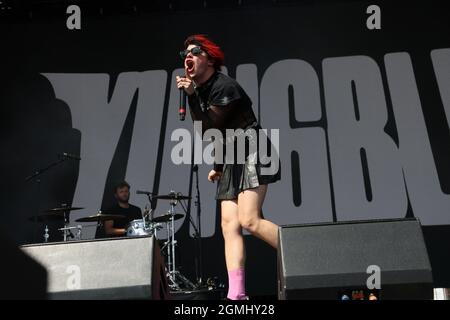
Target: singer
(220, 102)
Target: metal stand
(35, 176)
(46, 235)
(67, 232)
(198, 256)
(148, 215)
(198, 232)
(176, 280)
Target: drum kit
(147, 226)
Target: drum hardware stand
(66, 229)
(100, 225)
(176, 280)
(78, 235)
(67, 232)
(46, 235)
(149, 213)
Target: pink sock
(236, 284)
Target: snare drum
(138, 228)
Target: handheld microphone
(69, 156)
(182, 109)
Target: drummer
(122, 207)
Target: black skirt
(239, 177)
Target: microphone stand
(198, 230)
(38, 172)
(35, 176)
(198, 259)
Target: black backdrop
(36, 125)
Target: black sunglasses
(195, 51)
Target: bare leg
(249, 212)
(232, 234)
(234, 250)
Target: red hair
(212, 49)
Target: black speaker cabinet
(119, 268)
(328, 260)
(22, 277)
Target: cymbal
(62, 209)
(166, 217)
(171, 196)
(100, 217)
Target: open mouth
(189, 65)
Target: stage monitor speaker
(335, 261)
(117, 268)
